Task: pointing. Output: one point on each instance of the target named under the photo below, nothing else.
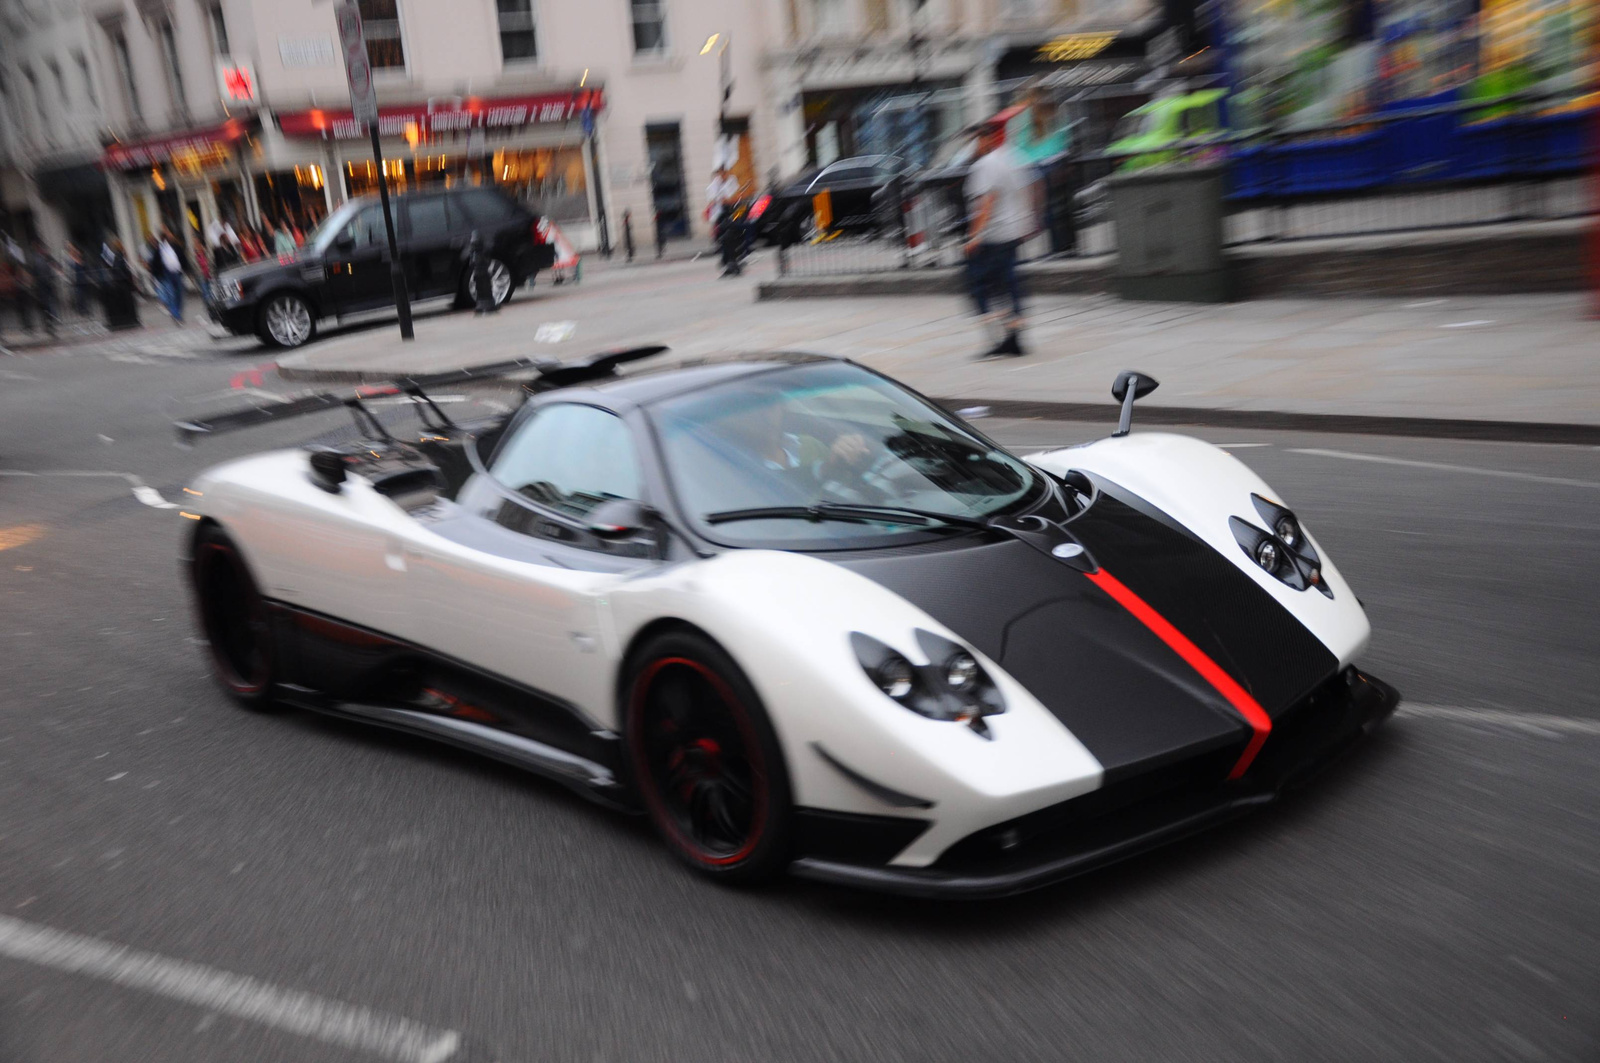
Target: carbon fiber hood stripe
(1132, 701)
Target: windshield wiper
(846, 511)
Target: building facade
(177, 112)
(128, 115)
(860, 77)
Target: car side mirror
(620, 518)
(327, 470)
(344, 243)
(1130, 386)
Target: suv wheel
(287, 321)
(499, 283)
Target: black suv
(344, 266)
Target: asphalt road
(1432, 897)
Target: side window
(367, 227)
(484, 208)
(429, 220)
(570, 458)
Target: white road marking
(1535, 723)
(1239, 446)
(242, 997)
(1473, 469)
(1421, 303)
(1468, 324)
(148, 495)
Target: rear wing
(548, 375)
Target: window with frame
(570, 458)
(518, 41)
(119, 49)
(88, 79)
(649, 26)
(380, 21)
(169, 52)
(219, 29)
(427, 219)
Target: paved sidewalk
(1530, 359)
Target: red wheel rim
(698, 761)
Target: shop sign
(237, 83)
(306, 51)
(1071, 47)
(136, 155)
(458, 116)
(1113, 72)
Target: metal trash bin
(1169, 235)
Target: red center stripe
(1246, 706)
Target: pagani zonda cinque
(800, 616)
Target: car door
(432, 242)
(850, 184)
(513, 584)
(356, 265)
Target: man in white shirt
(1001, 196)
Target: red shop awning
(137, 154)
(474, 112)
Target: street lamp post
(720, 42)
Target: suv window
(483, 207)
(367, 227)
(570, 458)
(429, 219)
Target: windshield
(320, 237)
(820, 434)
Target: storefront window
(380, 21)
(550, 180)
(292, 197)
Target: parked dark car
(856, 185)
(344, 266)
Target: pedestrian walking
(281, 238)
(166, 269)
(661, 235)
(9, 288)
(45, 272)
(82, 282)
(117, 288)
(627, 233)
(1001, 189)
(721, 196)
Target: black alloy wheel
(706, 761)
(233, 617)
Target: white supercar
(800, 616)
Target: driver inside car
(797, 452)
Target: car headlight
(1284, 551)
(230, 291)
(952, 686)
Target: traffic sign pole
(364, 104)
(397, 273)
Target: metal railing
(1522, 158)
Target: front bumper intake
(1128, 817)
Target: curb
(1279, 420)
